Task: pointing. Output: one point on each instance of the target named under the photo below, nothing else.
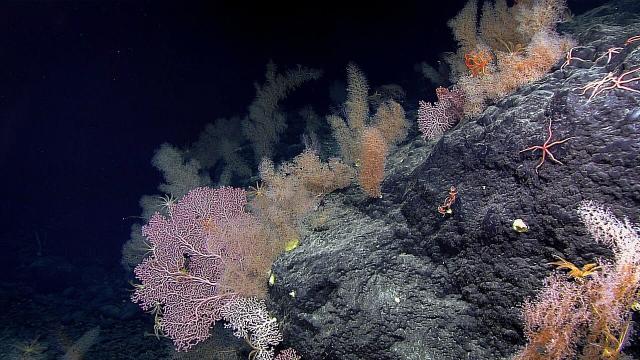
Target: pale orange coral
(373, 156)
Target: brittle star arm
(619, 81)
(570, 57)
(556, 143)
(612, 51)
(632, 39)
(610, 82)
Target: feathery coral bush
(281, 201)
(464, 29)
(595, 311)
(521, 41)
(498, 27)
(180, 175)
(253, 247)
(319, 177)
(391, 121)
(290, 191)
(348, 132)
(390, 126)
(552, 320)
(219, 143)
(265, 123)
(513, 70)
(614, 289)
(535, 16)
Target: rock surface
(391, 278)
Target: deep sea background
(89, 89)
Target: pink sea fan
(434, 119)
(180, 279)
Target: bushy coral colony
(205, 253)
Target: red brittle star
(610, 82)
(545, 148)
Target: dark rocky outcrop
(391, 278)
